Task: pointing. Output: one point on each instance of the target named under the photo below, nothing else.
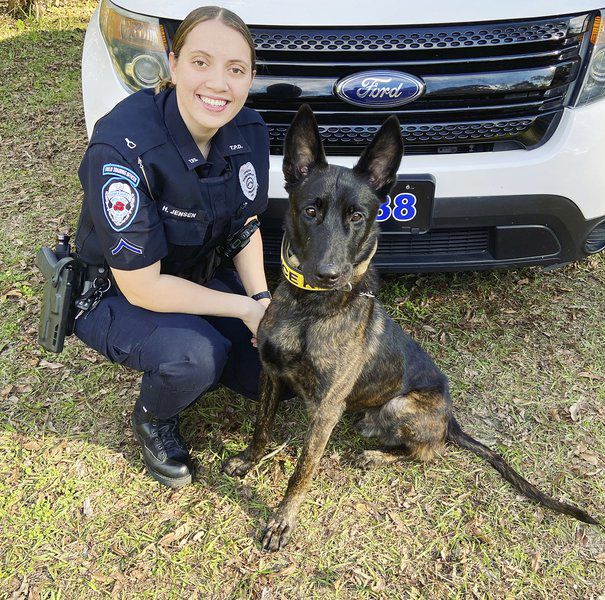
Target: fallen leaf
(362, 508)
(285, 570)
(198, 536)
(396, 520)
(45, 364)
(22, 591)
(87, 508)
(588, 375)
(574, 410)
(535, 561)
(581, 537)
(117, 550)
(361, 574)
(266, 594)
(379, 585)
(175, 536)
(473, 530)
(56, 451)
(101, 578)
(593, 459)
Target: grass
(80, 519)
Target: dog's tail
(456, 435)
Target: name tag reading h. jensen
(177, 213)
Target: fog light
(146, 69)
(595, 242)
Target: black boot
(164, 451)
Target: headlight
(593, 87)
(136, 44)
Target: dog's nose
(328, 273)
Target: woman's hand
(265, 302)
(252, 316)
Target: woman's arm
(150, 289)
(250, 267)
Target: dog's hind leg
(270, 389)
(413, 426)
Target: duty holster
(62, 282)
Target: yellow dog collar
(292, 273)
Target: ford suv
(501, 105)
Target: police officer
(168, 177)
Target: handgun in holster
(62, 281)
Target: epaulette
(248, 116)
(134, 126)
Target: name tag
(177, 213)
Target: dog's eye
(356, 216)
(310, 211)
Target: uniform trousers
(181, 355)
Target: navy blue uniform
(150, 195)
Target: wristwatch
(261, 295)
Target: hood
(369, 12)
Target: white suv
(502, 109)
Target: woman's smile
(211, 103)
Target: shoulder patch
(121, 171)
(120, 203)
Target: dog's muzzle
(293, 273)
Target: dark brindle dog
(331, 341)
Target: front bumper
(494, 209)
(472, 234)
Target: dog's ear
(380, 160)
(303, 149)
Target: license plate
(409, 207)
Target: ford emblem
(380, 88)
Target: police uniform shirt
(149, 193)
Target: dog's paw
(237, 466)
(277, 534)
(370, 459)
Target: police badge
(120, 203)
(248, 181)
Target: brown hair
(199, 15)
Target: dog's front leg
(270, 389)
(280, 527)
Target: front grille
(433, 38)
(435, 243)
(449, 241)
(489, 86)
(349, 138)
